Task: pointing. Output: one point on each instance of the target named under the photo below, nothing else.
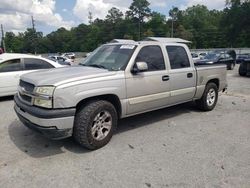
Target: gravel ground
(174, 147)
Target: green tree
(30, 40)
(138, 11)
(114, 15)
(13, 43)
(173, 13)
(157, 25)
(236, 24)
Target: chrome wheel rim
(101, 125)
(211, 95)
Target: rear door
(10, 72)
(150, 89)
(182, 74)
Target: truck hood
(64, 75)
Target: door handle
(165, 78)
(189, 75)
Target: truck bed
(210, 72)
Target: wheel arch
(216, 81)
(112, 98)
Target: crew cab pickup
(116, 81)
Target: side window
(33, 64)
(194, 55)
(178, 57)
(153, 56)
(11, 65)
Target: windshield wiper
(95, 65)
(98, 66)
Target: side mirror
(140, 67)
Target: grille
(25, 98)
(25, 91)
(27, 86)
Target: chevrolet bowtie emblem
(22, 90)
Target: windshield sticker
(131, 47)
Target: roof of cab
(150, 40)
(167, 40)
(122, 41)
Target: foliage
(205, 28)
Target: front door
(150, 89)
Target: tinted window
(11, 65)
(32, 64)
(152, 55)
(194, 55)
(60, 58)
(178, 57)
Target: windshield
(110, 57)
(212, 56)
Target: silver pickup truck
(116, 81)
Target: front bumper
(54, 124)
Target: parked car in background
(202, 55)
(195, 56)
(218, 57)
(12, 66)
(61, 60)
(244, 69)
(240, 58)
(69, 55)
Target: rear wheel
(209, 98)
(95, 124)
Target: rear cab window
(178, 57)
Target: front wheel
(209, 97)
(95, 124)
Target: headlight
(46, 103)
(45, 90)
(43, 96)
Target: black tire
(203, 103)
(84, 123)
(241, 70)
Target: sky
(49, 15)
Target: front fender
(70, 96)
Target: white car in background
(195, 56)
(61, 60)
(12, 66)
(69, 55)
